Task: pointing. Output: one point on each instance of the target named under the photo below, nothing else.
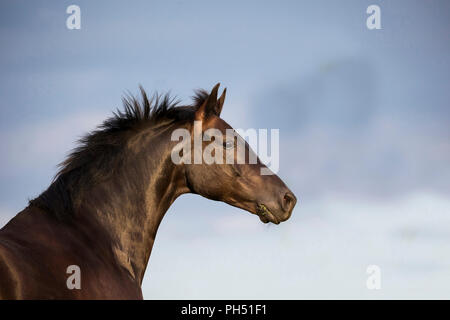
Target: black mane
(99, 152)
(109, 135)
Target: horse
(99, 217)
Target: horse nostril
(289, 201)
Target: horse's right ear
(211, 106)
(221, 101)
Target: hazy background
(364, 127)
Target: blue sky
(363, 118)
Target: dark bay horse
(103, 209)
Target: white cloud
(46, 142)
(322, 252)
(5, 215)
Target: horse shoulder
(9, 278)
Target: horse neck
(131, 205)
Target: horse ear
(210, 106)
(221, 101)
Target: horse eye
(228, 144)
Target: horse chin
(266, 216)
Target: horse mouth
(265, 215)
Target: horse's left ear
(211, 106)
